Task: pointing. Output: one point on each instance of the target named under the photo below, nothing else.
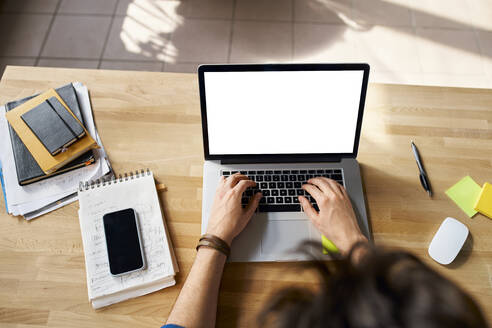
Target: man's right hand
(336, 218)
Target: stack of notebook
(136, 191)
(48, 142)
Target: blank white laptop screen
(282, 112)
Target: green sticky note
(465, 193)
(328, 245)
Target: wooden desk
(153, 120)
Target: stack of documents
(40, 197)
(136, 191)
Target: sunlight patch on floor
(148, 26)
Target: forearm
(196, 305)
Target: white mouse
(448, 240)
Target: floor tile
(389, 49)
(323, 43)
(132, 65)
(485, 41)
(377, 76)
(202, 41)
(451, 14)
(28, 6)
(273, 10)
(77, 37)
(261, 42)
(122, 7)
(453, 80)
(68, 63)
(22, 35)
(15, 61)
(157, 7)
(389, 12)
(449, 51)
(315, 11)
(177, 35)
(209, 9)
(103, 7)
(481, 13)
(143, 34)
(181, 67)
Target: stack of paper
(47, 195)
(139, 193)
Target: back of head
(386, 289)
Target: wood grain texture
(153, 120)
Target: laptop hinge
(287, 159)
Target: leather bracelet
(214, 242)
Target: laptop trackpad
(283, 236)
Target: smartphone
(123, 242)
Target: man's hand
(228, 218)
(336, 218)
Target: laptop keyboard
(281, 188)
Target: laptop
(281, 124)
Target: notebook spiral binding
(112, 180)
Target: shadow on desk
(247, 287)
(462, 256)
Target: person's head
(386, 289)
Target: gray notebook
(72, 123)
(49, 128)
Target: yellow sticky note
(328, 245)
(484, 201)
(465, 193)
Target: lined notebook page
(138, 193)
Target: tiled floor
(405, 41)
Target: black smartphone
(123, 242)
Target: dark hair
(385, 289)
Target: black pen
(423, 176)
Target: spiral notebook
(133, 190)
